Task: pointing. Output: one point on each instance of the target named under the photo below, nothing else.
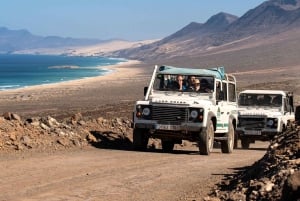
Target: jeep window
(218, 90)
(231, 92)
(269, 100)
(225, 91)
(168, 82)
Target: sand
(123, 85)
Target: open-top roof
(217, 72)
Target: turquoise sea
(17, 71)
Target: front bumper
(184, 127)
(262, 134)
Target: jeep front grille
(252, 122)
(169, 114)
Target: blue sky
(106, 19)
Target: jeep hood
(259, 112)
(182, 99)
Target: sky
(113, 19)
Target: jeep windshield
(264, 100)
(184, 83)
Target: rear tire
(206, 141)
(140, 139)
(227, 145)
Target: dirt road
(105, 174)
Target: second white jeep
(262, 114)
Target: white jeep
(172, 113)
(262, 114)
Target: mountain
(270, 18)
(13, 40)
(215, 24)
(184, 41)
(220, 33)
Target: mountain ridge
(267, 19)
(16, 40)
(219, 31)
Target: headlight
(194, 114)
(270, 122)
(138, 111)
(146, 111)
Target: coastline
(123, 85)
(118, 70)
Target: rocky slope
(46, 133)
(274, 177)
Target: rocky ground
(46, 133)
(275, 177)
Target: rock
(12, 136)
(44, 126)
(81, 123)
(19, 147)
(100, 120)
(51, 122)
(26, 140)
(119, 121)
(91, 138)
(291, 189)
(268, 187)
(7, 116)
(16, 117)
(33, 121)
(76, 117)
(63, 141)
(237, 196)
(11, 116)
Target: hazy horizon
(130, 20)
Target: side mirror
(145, 90)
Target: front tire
(236, 140)
(206, 141)
(228, 144)
(140, 139)
(245, 143)
(167, 146)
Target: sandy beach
(123, 85)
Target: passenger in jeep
(197, 85)
(190, 82)
(180, 83)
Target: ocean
(18, 71)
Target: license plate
(252, 132)
(167, 127)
